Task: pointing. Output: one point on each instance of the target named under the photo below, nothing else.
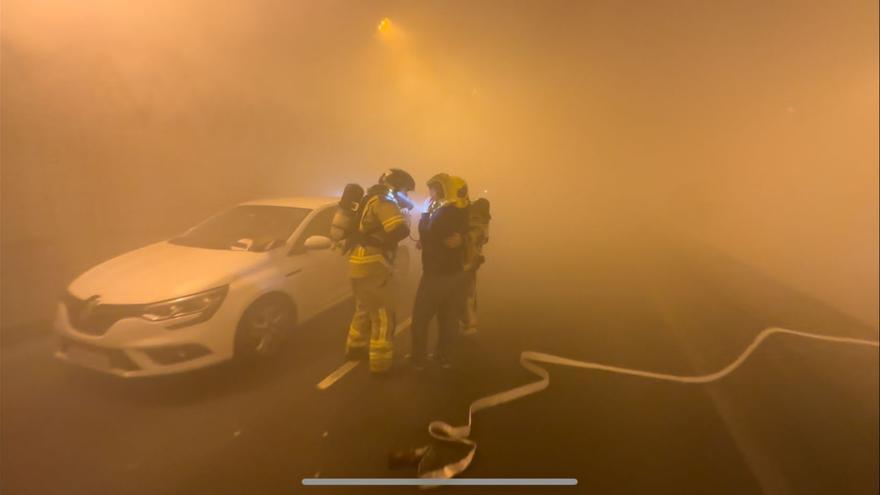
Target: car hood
(163, 271)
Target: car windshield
(245, 228)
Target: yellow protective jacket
(478, 234)
(385, 225)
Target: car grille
(113, 358)
(100, 318)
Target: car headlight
(193, 309)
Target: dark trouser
(469, 313)
(443, 296)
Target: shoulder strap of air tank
(361, 237)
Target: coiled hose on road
(445, 432)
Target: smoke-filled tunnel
(668, 181)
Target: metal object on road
(445, 432)
(405, 458)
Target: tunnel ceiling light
(384, 26)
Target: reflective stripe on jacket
(380, 216)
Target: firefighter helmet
(398, 180)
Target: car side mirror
(242, 245)
(317, 242)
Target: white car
(232, 286)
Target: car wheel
(264, 327)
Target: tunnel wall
(804, 207)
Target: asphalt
(799, 416)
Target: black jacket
(433, 230)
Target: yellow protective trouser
(373, 318)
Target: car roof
(310, 202)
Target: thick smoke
(595, 128)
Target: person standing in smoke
(477, 237)
(442, 232)
(378, 226)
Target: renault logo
(91, 305)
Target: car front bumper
(134, 347)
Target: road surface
(798, 417)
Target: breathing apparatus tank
(346, 213)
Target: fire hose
(460, 435)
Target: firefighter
(380, 226)
(442, 231)
(478, 236)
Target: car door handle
(294, 272)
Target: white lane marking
(343, 370)
(337, 374)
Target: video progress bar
(439, 482)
